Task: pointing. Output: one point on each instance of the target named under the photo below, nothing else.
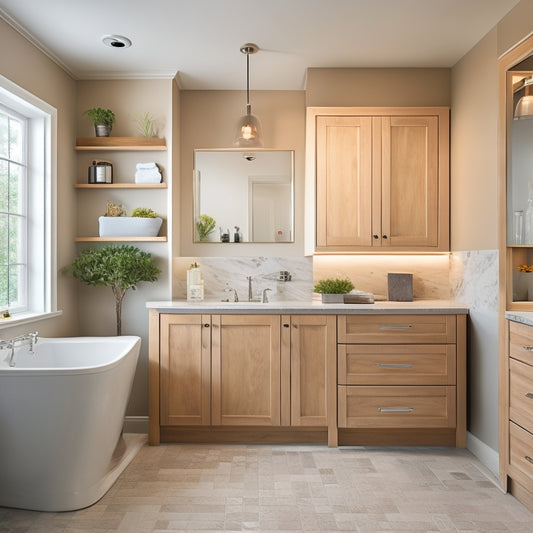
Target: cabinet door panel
(313, 341)
(344, 181)
(185, 370)
(246, 370)
(410, 181)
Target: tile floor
(196, 488)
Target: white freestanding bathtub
(61, 416)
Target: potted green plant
(103, 120)
(333, 289)
(119, 267)
(204, 226)
(143, 222)
(145, 124)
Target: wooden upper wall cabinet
(380, 178)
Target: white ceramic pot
(129, 226)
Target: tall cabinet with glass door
(516, 271)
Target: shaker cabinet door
(246, 370)
(344, 181)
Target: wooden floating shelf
(120, 185)
(120, 239)
(120, 143)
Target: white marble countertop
(524, 317)
(314, 307)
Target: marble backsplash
(474, 279)
(367, 272)
(469, 277)
(220, 273)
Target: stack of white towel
(148, 173)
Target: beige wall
(208, 120)
(474, 122)
(378, 87)
(30, 69)
(96, 308)
(515, 26)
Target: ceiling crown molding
(35, 42)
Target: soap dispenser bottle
(195, 283)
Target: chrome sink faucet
(235, 295)
(250, 291)
(264, 296)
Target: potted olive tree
(119, 267)
(333, 289)
(103, 120)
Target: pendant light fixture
(524, 107)
(248, 133)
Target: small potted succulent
(333, 289)
(103, 120)
(143, 222)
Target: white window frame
(41, 252)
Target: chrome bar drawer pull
(529, 395)
(527, 458)
(395, 409)
(395, 326)
(395, 365)
(528, 348)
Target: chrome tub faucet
(28, 339)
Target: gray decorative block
(400, 287)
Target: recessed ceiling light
(116, 41)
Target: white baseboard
(488, 457)
(136, 424)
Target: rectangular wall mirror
(249, 190)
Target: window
(13, 211)
(27, 217)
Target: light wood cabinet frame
(383, 209)
(511, 335)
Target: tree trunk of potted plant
(119, 296)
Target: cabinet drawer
(521, 342)
(521, 394)
(521, 449)
(396, 407)
(396, 364)
(396, 329)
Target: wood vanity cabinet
(381, 177)
(185, 379)
(308, 359)
(402, 379)
(240, 371)
(519, 430)
(245, 363)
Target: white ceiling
(200, 39)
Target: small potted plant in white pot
(143, 222)
(103, 120)
(333, 289)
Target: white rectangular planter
(329, 298)
(129, 226)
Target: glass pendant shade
(524, 107)
(248, 133)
